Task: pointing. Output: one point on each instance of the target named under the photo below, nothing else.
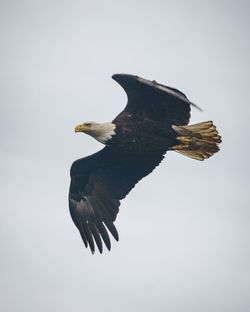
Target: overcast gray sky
(184, 230)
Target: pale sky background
(184, 230)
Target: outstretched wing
(149, 99)
(98, 183)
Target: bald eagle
(153, 122)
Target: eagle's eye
(88, 124)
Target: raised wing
(149, 99)
(98, 183)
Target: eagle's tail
(198, 141)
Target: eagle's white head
(102, 132)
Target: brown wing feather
(98, 183)
(149, 99)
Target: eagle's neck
(103, 132)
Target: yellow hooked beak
(81, 128)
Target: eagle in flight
(154, 121)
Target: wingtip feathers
(96, 233)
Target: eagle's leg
(180, 147)
(184, 140)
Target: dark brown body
(142, 136)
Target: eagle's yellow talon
(184, 139)
(180, 147)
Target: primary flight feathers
(153, 122)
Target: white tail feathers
(198, 141)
